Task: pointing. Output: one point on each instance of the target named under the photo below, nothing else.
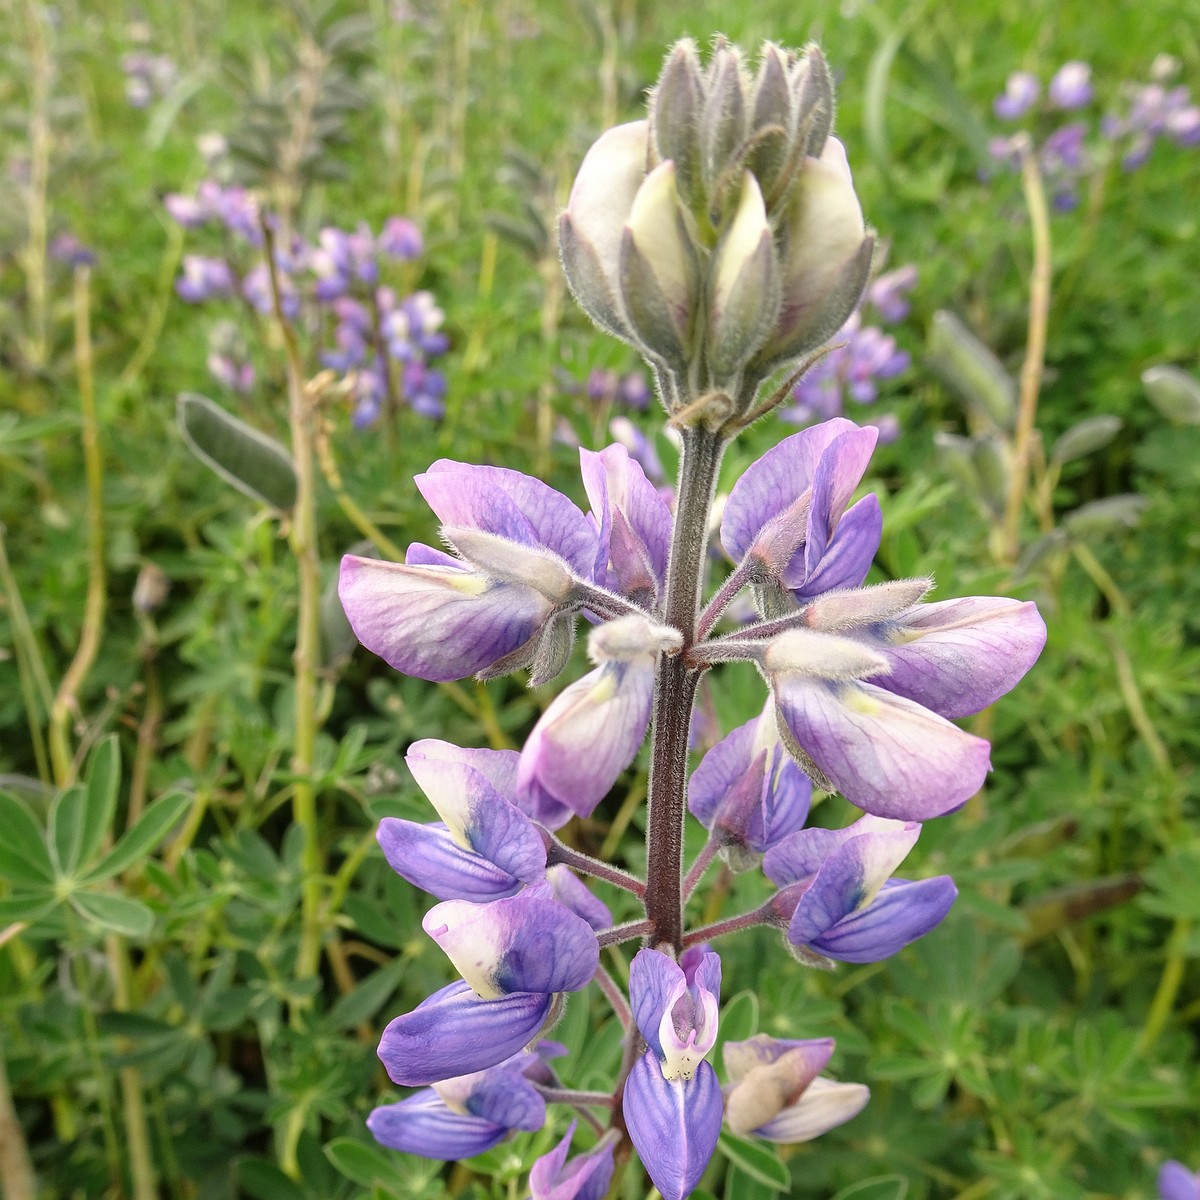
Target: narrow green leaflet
(883, 1187)
(23, 855)
(66, 830)
(103, 788)
(153, 825)
(119, 914)
(757, 1160)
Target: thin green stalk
(1169, 984)
(142, 1171)
(36, 693)
(1035, 353)
(303, 543)
(17, 1180)
(41, 70)
(66, 701)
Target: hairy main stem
(675, 688)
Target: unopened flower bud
(659, 272)
(675, 119)
(825, 254)
(744, 296)
(591, 228)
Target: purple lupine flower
(465, 1115)
(204, 278)
(1176, 1182)
(352, 348)
(368, 392)
(748, 792)
(521, 547)
(523, 943)
(67, 248)
(238, 210)
(634, 391)
(836, 896)
(870, 355)
(634, 524)
(788, 511)
(1071, 86)
(886, 754)
(571, 891)
(672, 1100)
(888, 294)
(776, 1090)
(593, 729)
(485, 847)
(455, 1029)
(424, 389)
(256, 288)
(1020, 94)
(954, 657)
(600, 385)
(585, 1177)
(401, 239)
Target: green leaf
(739, 1020)
(758, 1161)
(116, 913)
(368, 997)
(1174, 392)
(971, 370)
(265, 1181)
(103, 787)
(66, 830)
(23, 854)
(882, 1187)
(254, 463)
(1100, 517)
(365, 1165)
(152, 826)
(1086, 437)
(26, 906)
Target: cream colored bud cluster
(722, 236)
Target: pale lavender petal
(719, 771)
(429, 858)
(588, 736)
(902, 912)
(420, 555)
(773, 483)
(570, 890)
(525, 943)
(957, 656)
(824, 1105)
(454, 1032)
(674, 1124)
(437, 623)
(806, 1057)
(1176, 1182)
(424, 1124)
(847, 558)
(632, 512)
(479, 818)
(501, 1094)
(802, 855)
(498, 767)
(512, 505)
(655, 984)
(838, 473)
(848, 880)
(885, 754)
(585, 1177)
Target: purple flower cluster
(148, 77)
(1148, 111)
(863, 683)
(862, 357)
(335, 288)
(607, 387)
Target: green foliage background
(1041, 1044)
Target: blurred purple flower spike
(1021, 91)
(1071, 86)
(400, 238)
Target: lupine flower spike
(723, 240)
